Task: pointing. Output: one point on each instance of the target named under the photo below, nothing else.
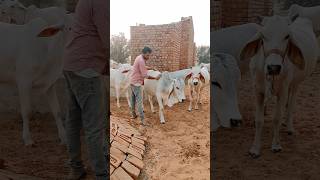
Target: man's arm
(150, 68)
(144, 70)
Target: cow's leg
(281, 102)
(128, 99)
(159, 99)
(56, 111)
(197, 98)
(259, 121)
(118, 95)
(291, 106)
(190, 98)
(151, 104)
(24, 89)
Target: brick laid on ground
(122, 174)
(130, 169)
(135, 161)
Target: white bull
(12, 11)
(180, 75)
(197, 79)
(312, 13)
(231, 40)
(166, 90)
(120, 81)
(33, 63)
(225, 80)
(282, 56)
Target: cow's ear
(251, 48)
(202, 78)
(295, 55)
(50, 31)
(187, 78)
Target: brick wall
(172, 44)
(235, 12)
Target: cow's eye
(287, 37)
(177, 88)
(215, 83)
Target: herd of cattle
(280, 52)
(168, 90)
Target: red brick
(122, 174)
(135, 161)
(114, 161)
(141, 146)
(137, 140)
(124, 137)
(140, 137)
(121, 141)
(136, 148)
(119, 146)
(111, 169)
(134, 153)
(131, 169)
(117, 153)
(113, 177)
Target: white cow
(197, 79)
(166, 90)
(206, 65)
(33, 63)
(225, 80)
(232, 39)
(282, 56)
(180, 75)
(120, 81)
(114, 64)
(312, 13)
(12, 11)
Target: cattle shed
(172, 44)
(234, 12)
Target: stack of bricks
(172, 44)
(216, 19)
(127, 148)
(235, 12)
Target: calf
(32, 59)
(197, 79)
(166, 90)
(225, 80)
(120, 81)
(282, 56)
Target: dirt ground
(179, 149)
(46, 159)
(300, 155)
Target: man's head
(146, 52)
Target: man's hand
(158, 77)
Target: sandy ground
(179, 149)
(46, 159)
(300, 156)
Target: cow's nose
(195, 83)
(274, 69)
(235, 122)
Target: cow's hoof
(254, 152)
(29, 143)
(254, 155)
(196, 108)
(276, 148)
(162, 122)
